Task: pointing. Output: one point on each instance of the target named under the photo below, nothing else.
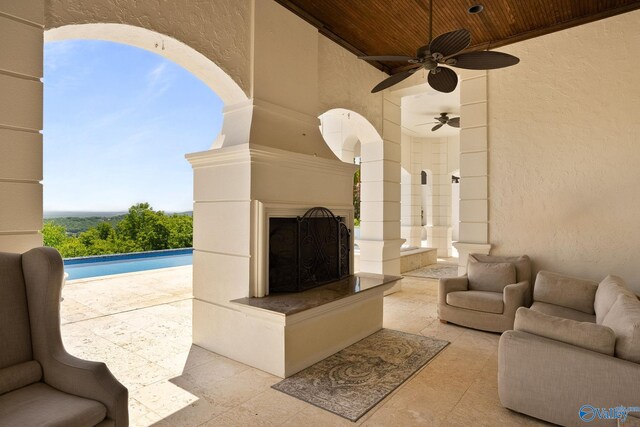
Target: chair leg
(443, 321)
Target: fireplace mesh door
(307, 251)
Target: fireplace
(308, 251)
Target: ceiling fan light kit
(444, 49)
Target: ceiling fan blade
(445, 80)
(423, 124)
(455, 122)
(448, 44)
(395, 58)
(436, 127)
(486, 60)
(390, 81)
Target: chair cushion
(489, 302)
(565, 291)
(20, 375)
(15, 332)
(40, 405)
(564, 312)
(624, 319)
(490, 276)
(607, 294)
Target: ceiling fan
(443, 50)
(444, 119)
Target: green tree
(53, 235)
(180, 231)
(141, 229)
(145, 227)
(72, 248)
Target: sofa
(40, 383)
(488, 296)
(575, 349)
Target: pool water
(81, 268)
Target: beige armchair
(488, 296)
(578, 344)
(40, 383)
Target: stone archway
(343, 130)
(235, 125)
(180, 53)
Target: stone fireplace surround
(237, 189)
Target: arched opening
(455, 210)
(185, 56)
(159, 310)
(455, 204)
(426, 193)
(353, 139)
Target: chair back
(15, 330)
(522, 264)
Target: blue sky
(118, 121)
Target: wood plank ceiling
(399, 27)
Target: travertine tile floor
(140, 326)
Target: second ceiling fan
(444, 119)
(444, 49)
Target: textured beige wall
(346, 82)
(219, 29)
(564, 144)
(21, 29)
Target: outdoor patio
(140, 325)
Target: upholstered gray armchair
(40, 383)
(488, 296)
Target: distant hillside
(79, 222)
(76, 225)
(81, 214)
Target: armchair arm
(515, 296)
(551, 380)
(92, 380)
(451, 284)
(42, 268)
(589, 336)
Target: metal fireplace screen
(307, 251)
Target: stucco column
(474, 168)
(21, 46)
(411, 199)
(380, 197)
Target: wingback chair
(488, 296)
(40, 383)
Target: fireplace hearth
(308, 251)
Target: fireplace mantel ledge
(256, 153)
(292, 308)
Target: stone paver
(140, 325)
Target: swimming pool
(106, 265)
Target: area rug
(354, 380)
(434, 271)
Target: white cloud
(159, 81)
(58, 54)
